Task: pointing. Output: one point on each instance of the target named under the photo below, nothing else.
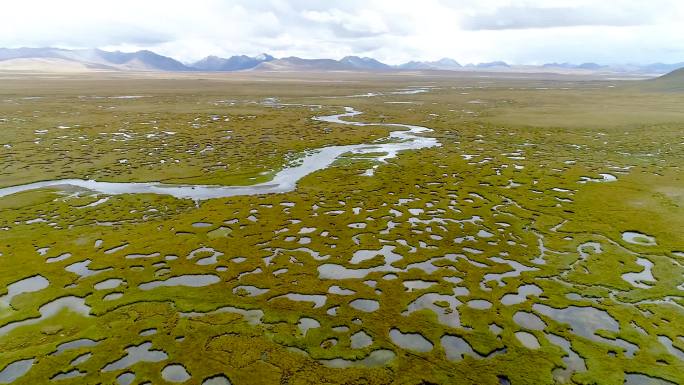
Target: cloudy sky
(394, 31)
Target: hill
(676, 75)
(672, 81)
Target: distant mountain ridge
(233, 63)
(99, 59)
(364, 63)
(441, 64)
(96, 59)
(347, 63)
(294, 63)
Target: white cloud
(521, 31)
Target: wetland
(340, 228)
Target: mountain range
(94, 59)
(58, 59)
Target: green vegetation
(512, 209)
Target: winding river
(406, 138)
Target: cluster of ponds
(587, 322)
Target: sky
(393, 31)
